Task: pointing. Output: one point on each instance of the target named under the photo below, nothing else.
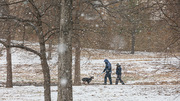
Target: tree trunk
(44, 64)
(46, 74)
(133, 42)
(24, 33)
(77, 75)
(50, 50)
(76, 25)
(6, 32)
(65, 52)
(9, 83)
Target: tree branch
(10, 17)
(26, 48)
(12, 3)
(38, 14)
(54, 29)
(51, 35)
(173, 21)
(21, 47)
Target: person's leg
(105, 79)
(110, 80)
(117, 79)
(121, 80)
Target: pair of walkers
(108, 72)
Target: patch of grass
(130, 78)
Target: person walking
(118, 72)
(108, 72)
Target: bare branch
(170, 19)
(21, 47)
(10, 17)
(51, 35)
(98, 13)
(46, 9)
(4, 43)
(12, 3)
(27, 49)
(54, 29)
(38, 14)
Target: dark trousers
(108, 75)
(119, 79)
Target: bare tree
(36, 20)
(76, 33)
(170, 13)
(9, 79)
(65, 51)
(5, 31)
(132, 18)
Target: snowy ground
(147, 75)
(97, 93)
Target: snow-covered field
(147, 75)
(97, 93)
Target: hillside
(148, 76)
(145, 68)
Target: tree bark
(24, 33)
(76, 25)
(133, 42)
(42, 53)
(44, 64)
(9, 83)
(77, 75)
(65, 52)
(50, 50)
(5, 24)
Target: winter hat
(106, 60)
(117, 64)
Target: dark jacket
(118, 70)
(107, 67)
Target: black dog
(88, 80)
